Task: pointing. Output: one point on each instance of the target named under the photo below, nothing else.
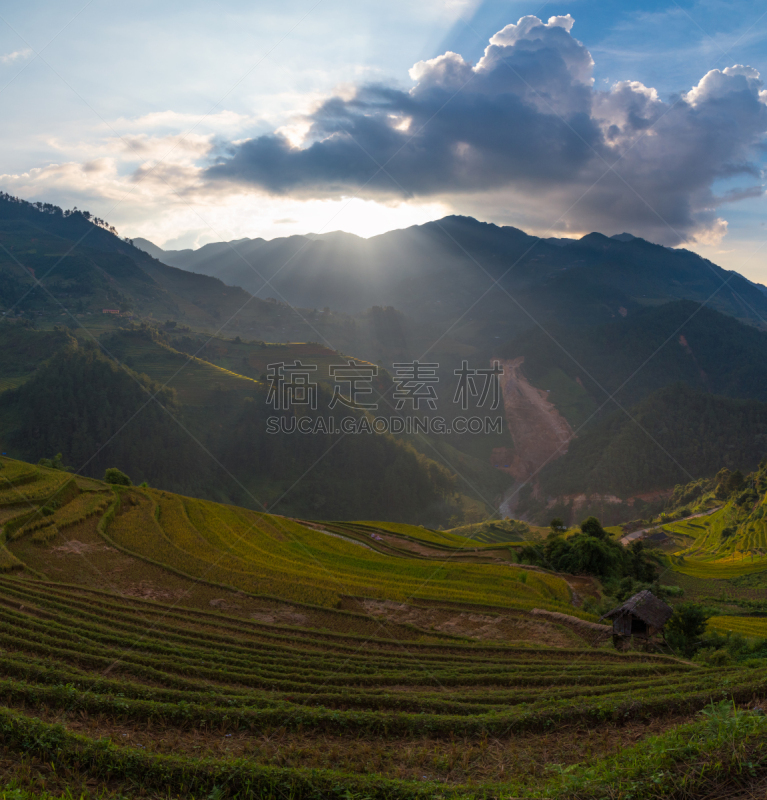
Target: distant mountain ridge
(440, 268)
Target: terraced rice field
(729, 543)
(266, 554)
(112, 696)
(12, 383)
(120, 692)
(728, 533)
(494, 532)
(714, 568)
(751, 627)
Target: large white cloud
(525, 122)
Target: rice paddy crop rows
(753, 627)
(98, 662)
(276, 556)
(80, 655)
(38, 488)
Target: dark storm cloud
(526, 120)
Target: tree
(116, 477)
(639, 567)
(557, 525)
(685, 628)
(593, 527)
(722, 479)
(591, 555)
(735, 482)
(53, 463)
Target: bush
(714, 658)
(590, 551)
(736, 645)
(53, 463)
(117, 477)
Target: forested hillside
(99, 414)
(620, 319)
(630, 358)
(676, 435)
(661, 397)
(68, 265)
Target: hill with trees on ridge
(56, 263)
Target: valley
(669, 360)
(191, 606)
(383, 412)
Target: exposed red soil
(539, 431)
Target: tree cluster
(590, 551)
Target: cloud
(16, 55)
(525, 122)
(175, 121)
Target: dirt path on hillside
(509, 626)
(539, 431)
(592, 631)
(640, 534)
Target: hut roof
(645, 606)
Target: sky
(186, 123)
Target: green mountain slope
(675, 435)
(190, 426)
(633, 357)
(57, 264)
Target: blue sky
(122, 108)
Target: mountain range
(604, 340)
(458, 266)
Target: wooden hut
(642, 616)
